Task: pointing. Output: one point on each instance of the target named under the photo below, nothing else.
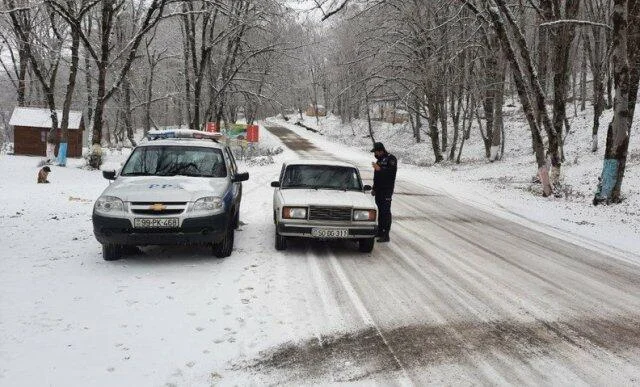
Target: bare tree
(17, 70)
(42, 41)
(626, 58)
(101, 51)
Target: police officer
(384, 178)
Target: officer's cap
(378, 147)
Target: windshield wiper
(188, 174)
(137, 174)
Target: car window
(232, 162)
(321, 177)
(175, 160)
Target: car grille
(329, 213)
(170, 208)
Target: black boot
(383, 238)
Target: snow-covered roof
(41, 118)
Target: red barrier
(252, 133)
(211, 127)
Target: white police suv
(178, 187)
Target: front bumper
(201, 230)
(304, 231)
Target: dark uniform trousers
(383, 182)
(383, 201)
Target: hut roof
(41, 118)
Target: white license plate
(329, 232)
(156, 222)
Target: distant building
(395, 116)
(387, 108)
(31, 126)
(319, 111)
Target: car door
(233, 171)
(277, 197)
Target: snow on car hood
(320, 197)
(165, 188)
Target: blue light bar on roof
(182, 133)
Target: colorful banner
(246, 132)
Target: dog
(43, 174)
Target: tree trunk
(66, 106)
(366, 102)
(527, 107)
(88, 79)
(562, 41)
(416, 133)
(595, 55)
(469, 121)
(488, 108)
(433, 131)
(22, 74)
(535, 86)
(498, 122)
(583, 77)
(624, 48)
(442, 115)
(126, 112)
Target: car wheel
(223, 248)
(366, 245)
(281, 242)
(236, 220)
(111, 252)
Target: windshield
(175, 160)
(321, 176)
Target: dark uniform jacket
(385, 179)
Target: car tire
(236, 220)
(111, 252)
(224, 248)
(281, 242)
(366, 245)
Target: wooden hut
(318, 110)
(31, 126)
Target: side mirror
(275, 184)
(109, 175)
(240, 177)
(367, 188)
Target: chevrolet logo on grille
(157, 207)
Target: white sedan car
(323, 199)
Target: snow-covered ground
(178, 316)
(69, 318)
(505, 187)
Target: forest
(446, 65)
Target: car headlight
(208, 204)
(364, 215)
(109, 205)
(294, 212)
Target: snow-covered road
(459, 296)
(463, 296)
